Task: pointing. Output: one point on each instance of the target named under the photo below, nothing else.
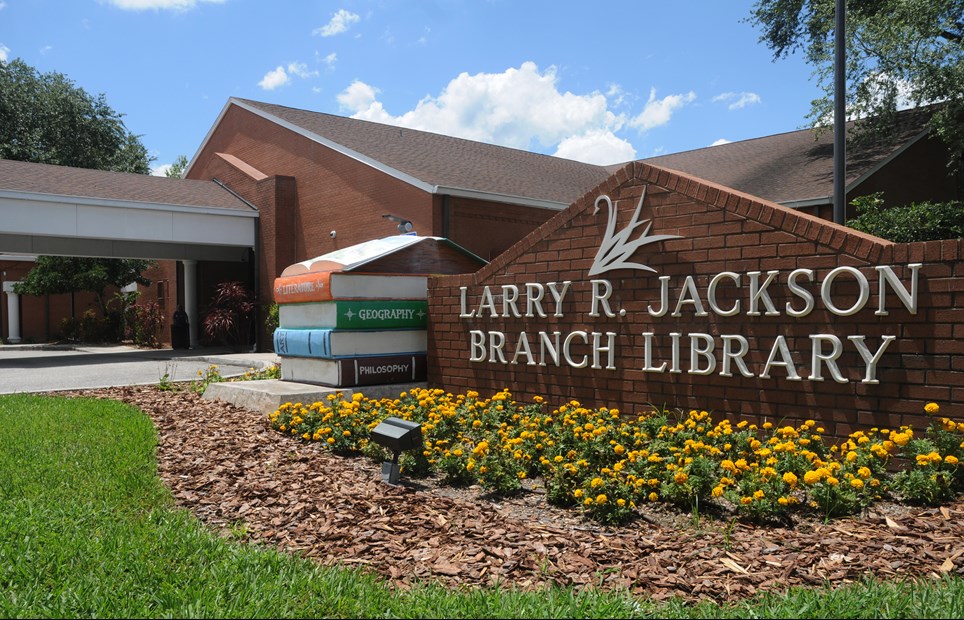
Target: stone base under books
(265, 396)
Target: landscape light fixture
(404, 226)
(397, 435)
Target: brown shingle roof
(446, 161)
(81, 182)
(789, 167)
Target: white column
(13, 313)
(190, 297)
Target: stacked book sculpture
(341, 325)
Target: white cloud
(720, 142)
(158, 5)
(3, 5)
(279, 76)
(45, 49)
(330, 60)
(358, 97)
(4, 52)
(161, 171)
(596, 146)
(301, 70)
(275, 78)
(658, 112)
(736, 101)
(340, 22)
(519, 108)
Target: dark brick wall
(720, 231)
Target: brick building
(320, 182)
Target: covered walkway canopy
(57, 210)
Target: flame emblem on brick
(617, 249)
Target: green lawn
(87, 529)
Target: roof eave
(127, 204)
(525, 201)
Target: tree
(177, 168)
(45, 118)
(898, 52)
(53, 275)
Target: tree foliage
(53, 275)
(45, 118)
(921, 221)
(899, 53)
(177, 168)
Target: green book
(354, 314)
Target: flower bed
(607, 464)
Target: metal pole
(840, 114)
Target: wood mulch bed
(228, 467)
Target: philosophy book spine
(356, 371)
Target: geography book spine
(354, 314)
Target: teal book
(354, 314)
(335, 343)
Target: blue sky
(602, 82)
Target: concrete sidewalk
(45, 368)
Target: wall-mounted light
(404, 225)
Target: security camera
(332, 234)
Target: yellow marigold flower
(620, 502)
(520, 475)
(932, 408)
(950, 459)
(758, 494)
(587, 501)
(832, 481)
(790, 478)
(653, 496)
(596, 482)
(746, 500)
(902, 438)
(864, 472)
(681, 477)
(346, 433)
(783, 501)
(851, 456)
(857, 483)
(577, 493)
(601, 499)
(331, 440)
(717, 491)
(811, 477)
(619, 449)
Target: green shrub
(921, 221)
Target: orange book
(328, 285)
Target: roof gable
(436, 163)
(764, 214)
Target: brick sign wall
(661, 289)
